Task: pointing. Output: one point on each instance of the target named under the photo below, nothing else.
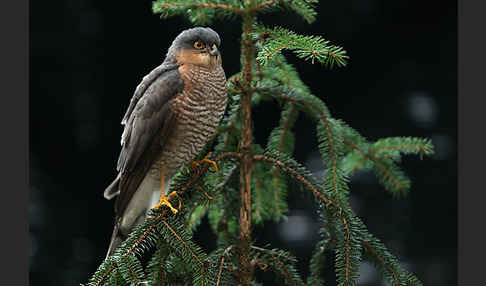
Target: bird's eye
(198, 45)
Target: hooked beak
(213, 51)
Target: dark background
(88, 56)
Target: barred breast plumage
(199, 109)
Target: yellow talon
(172, 194)
(195, 164)
(164, 200)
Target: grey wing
(142, 87)
(146, 117)
(149, 123)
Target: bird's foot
(164, 201)
(195, 164)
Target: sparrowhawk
(172, 115)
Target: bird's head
(197, 46)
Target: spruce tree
(252, 183)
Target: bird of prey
(172, 115)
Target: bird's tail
(113, 189)
(110, 192)
(116, 238)
(134, 213)
(121, 231)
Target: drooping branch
(146, 233)
(282, 263)
(296, 176)
(184, 243)
(327, 203)
(258, 192)
(331, 143)
(226, 251)
(376, 162)
(130, 251)
(348, 247)
(370, 249)
(106, 275)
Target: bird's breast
(199, 109)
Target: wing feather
(144, 84)
(147, 117)
(149, 123)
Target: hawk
(172, 115)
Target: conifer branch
(202, 12)
(183, 243)
(348, 252)
(358, 163)
(304, 8)
(281, 261)
(313, 48)
(159, 5)
(348, 234)
(332, 152)
(401, 185)
(386, 262)
(296, 175)
(258, 197)
(330, 139)
(393, 147)
(282, 139)
(103, 277)
(370, 249)
(351, 256)
(159, 265)
(226, 251)
(131, 269)
(145, 233)
(263, 4)
(421, 149)
(372, 158)
(284, 132)
(269, 201)
(276, 191)
(196, 215)
(141, 239)
(317, 264)
(382, 155)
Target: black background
(88, 56)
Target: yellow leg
(164, 200)
(195, 164)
